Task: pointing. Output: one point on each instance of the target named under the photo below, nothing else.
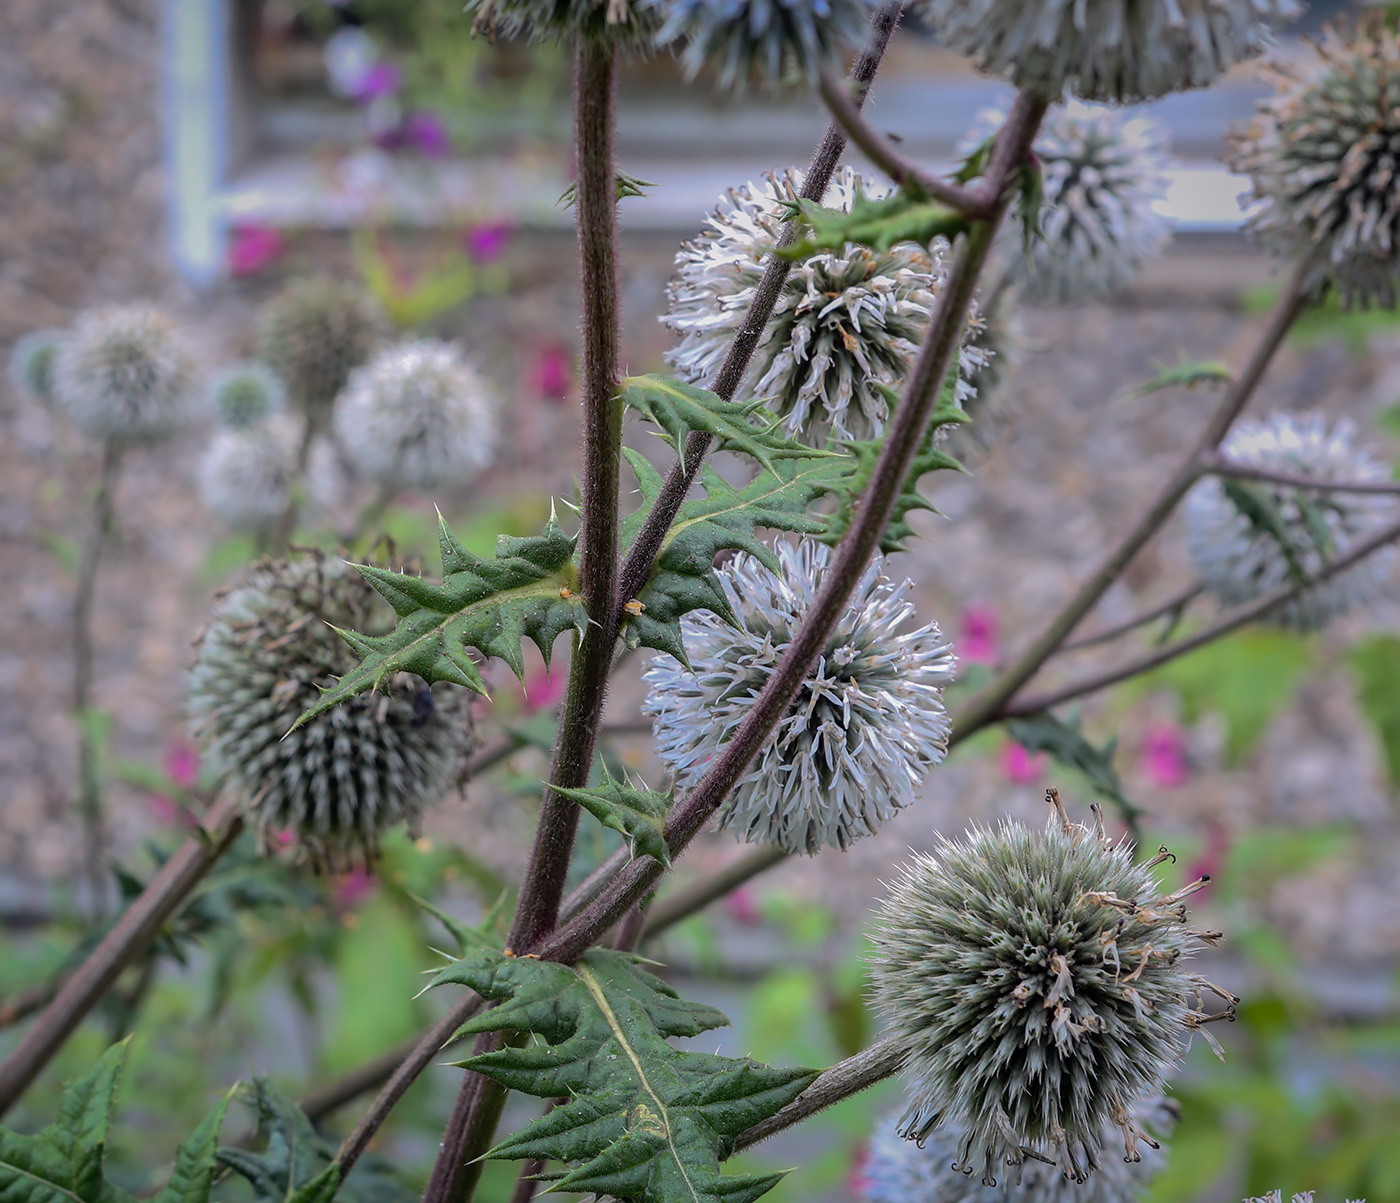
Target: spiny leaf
(492, 606)
(909, 215)
(627, 185)
(196, 1161)
(1257, 505)
(1065, 742)
(1188, 373)
(643, 1120)
(724, 519)
(679, 408)
(486, 934)
(639, 814)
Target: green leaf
(1187, 373)
(643, 1120)
(492, 606)
(1065, 743)
(486, 934)
(639, 814)
(909, 215)
(1256, 503)
(627, 185)
(294, 1165)
(679, 408)
(1375, 662)
(196, 1161)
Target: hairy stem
(471, 1130)
(1219, 465)
(128, 939)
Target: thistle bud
(247, 394)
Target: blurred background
(202, 153)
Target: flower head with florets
(246, 395)
(846, 326)
(867, 724)
(1038, 984)
(31, 364)
(630, 22)
(246, 474)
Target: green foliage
(428, 294)
(1185, 373)
(1375, 663)
(63, 1163)
(680, 408)
(296, 1166)
(1065, 743)
(909, 215)
(492, 606)
(1256, 502)
(639, 814)
(644, 1120)
(626, 186)
(1328, 321)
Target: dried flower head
(630, 22)
(31, 364)
(1323, 156)
(313, 334)
(1038, 983)
(775, 39)
(1249, 537)
(125, 375)
(246, 395)
(844, 325)
(865, 727)
(338, 781)
(1115, 50)
(906, 1171)
(418, 415)
(246, 474)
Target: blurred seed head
(31, 364)
(246, 474)
(247, 394)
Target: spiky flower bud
(338, 781)
(1115, 50)
(906, 1171)
(741, 39)
(31, 364)
(844, 324)
(246, 395)
(1249, 537)
(865, 727)
(1322, 156)
(313, 334)
(1038, 983)
(418, 415)
(125, 375)
(629, 22)
(246, 474)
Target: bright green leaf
(1188, 373)
(1375, 662)
(909, 215)
(639, 814)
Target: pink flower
(543, 689)
(382, 79)
(253, 248)
(1019, 765)
(977, 642)
(354, 887)
(163, 808)
(182, 763)
(1164, 760)
(857, 1180)
(428, 133)
(741, 905)
(486, 243)
(553, 372)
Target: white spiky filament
(418, 415)
(246, 473)
(906, 1171)
(1113, 50)
(844, 324)
(1276, 1196)
(125, 375)
(1241, 557)
(1323, 156)
(1037, 981)
(865, 727)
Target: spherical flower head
(906, 1171)
(418, 415)
(246, 395)
(1321, 156)
(628, 22)
(775, 39)
(125, 375)
(865, 727)
(1243, 549)
(845, 324)
(1113, 50)
(246, 474)
(31, 364)
(313, 334)
(342, 778)
(1038, 983)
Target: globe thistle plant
(629, 22)
(1001, 342)
(246, 395)
(246, 473)
(845, 329)
(125, 375)
(775, 39)
(1322, 156)
(313, 334)
(1038, 983)
(418, 415)
(1112, 50)
(906, 1171)
(31, 364)
(1249, 537)
(339, 780)
(1276, 1196)
(866, 726)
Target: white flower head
(844, 324)
(419, 416)
(247, 394)
(125, 375)
(1323, 156)
(1243, 550)
(866, 726)
(246, 474)
(1113, 50)
(906, 1171)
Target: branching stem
(1173, 605)
(1220, 465)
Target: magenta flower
(553, 372)
(977, 639)
(182, 763)
(486, 243)
(353, 888)
(382, 79)
(252, 248)
(741, 905)
(427, 133)
(1164, 759)
(1020, 766)
(543, 689)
